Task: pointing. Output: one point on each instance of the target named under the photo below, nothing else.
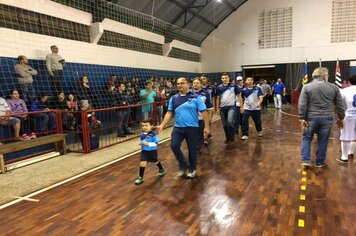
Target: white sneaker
(192, 174)
(180, 173)
(245, 137)
(259, 134)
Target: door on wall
(260, 73)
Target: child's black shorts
(150, 156)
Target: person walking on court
(198, 89)
(316, 108)
(348, 132)
(149, 143)
(186, 106)
(253, 98)
(279, 90)
(227, 93)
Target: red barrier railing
(83, 135)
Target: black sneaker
(342, 161)
(320, 165)
(121, 135)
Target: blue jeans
(238, 119)
(228, 117)
(28, 92)
(123, 117)
(256, 116)
(200, 141)
(191, 135)
(322, 127)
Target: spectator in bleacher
(6, 119)
(41, 105)
(85, 92)
(55, 63)
(147, 96)
(18, 108)
(72, 103)
(61, 104)
(111, 84)
(16, 104)
(160, 98)
(110, 90)
(92, 122)
(72, 106)
(123, 114)
(24, 74)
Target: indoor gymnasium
(177, 117)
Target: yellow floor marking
(304, 179)
(304, 172)
(301, 208)
(302, 197)
(300, 223)
(303, 187)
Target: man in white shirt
(348, 132)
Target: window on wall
(113, 39)
(343, 25)
(29, 21)
(183, 54)
(275, 28)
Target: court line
(289, 114)
(30, 195)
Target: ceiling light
(218, 0)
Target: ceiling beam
(227, 3)
(188, 8)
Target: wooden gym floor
(255, 187)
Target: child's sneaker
(244, 137)
(139, 181)
(259, 134)
(33, 135)
(161, 172)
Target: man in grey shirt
(24, 74)
(317, 103)
(55, 63)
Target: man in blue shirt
(279, 90)
(227, 103)
(186, 106)
(197, 89)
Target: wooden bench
(22, 145)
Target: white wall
(235, 42)
(36, 46)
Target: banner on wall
(338, 81)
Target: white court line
(28, 196)
(289, 114)
(26, 199)
(51, 217)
